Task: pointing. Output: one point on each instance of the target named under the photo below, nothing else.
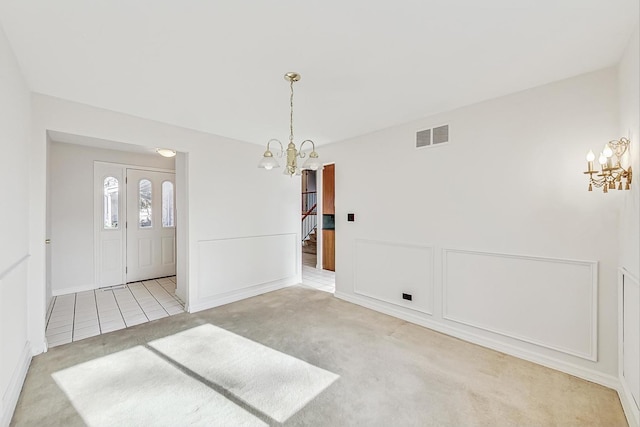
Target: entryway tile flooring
(85, 314)
(322, 280)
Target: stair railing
(309, 214)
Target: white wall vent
(434, 136)
(423, 138)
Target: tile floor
(323, 280)
(85, 314)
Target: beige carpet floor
(389, 372)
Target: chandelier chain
(291, 113)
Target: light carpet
(136, 387)
(274, 383)
(392, 373)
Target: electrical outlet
(408, 297)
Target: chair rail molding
(13, 266)
(274, 261)
(491, 291)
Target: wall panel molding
(232, 265)
(13, 266)
(549, 302)
(412, 272)
(454, 330)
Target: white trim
(241, 294)
(626, 272)
(138, 167)
(597, 377)
(74, 289)
(629, 405)
(12, 393)
(592, 355)
(14, 266)
(296, 278)
(430, 286)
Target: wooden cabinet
(329, 250)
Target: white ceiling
(217, 66)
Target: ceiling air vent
(435, 136)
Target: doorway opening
(113, 265)
(309, 219)
(318, 230)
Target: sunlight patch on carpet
(138, 387)
(276, 384)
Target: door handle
(47, 241)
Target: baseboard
(229, 297)
(73, 290)
(629, 404)
(606, 380)
(11, 395)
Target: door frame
(320, 208)
(122, 195)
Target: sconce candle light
(610, 173)
(268, 160)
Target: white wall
(629, 96)
(15, 117)
(228, 198)
(71, 209)
(510, 250)
(628, 90)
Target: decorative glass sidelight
(110, 203)
(145, 204)
(167, 204)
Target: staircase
(309, 222)
(309, 246)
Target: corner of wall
(11, 395)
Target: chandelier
(268, 160)
(610, 173)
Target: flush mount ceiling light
(165, 152)
(610, 173)
(268, 160)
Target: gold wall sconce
(611, 171)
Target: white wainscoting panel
(385, 271)
(544, 301)
(229, 265)
(631, 337)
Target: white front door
(151, 231)
(109, 211)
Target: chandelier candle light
(268, 160)
(610, 173)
